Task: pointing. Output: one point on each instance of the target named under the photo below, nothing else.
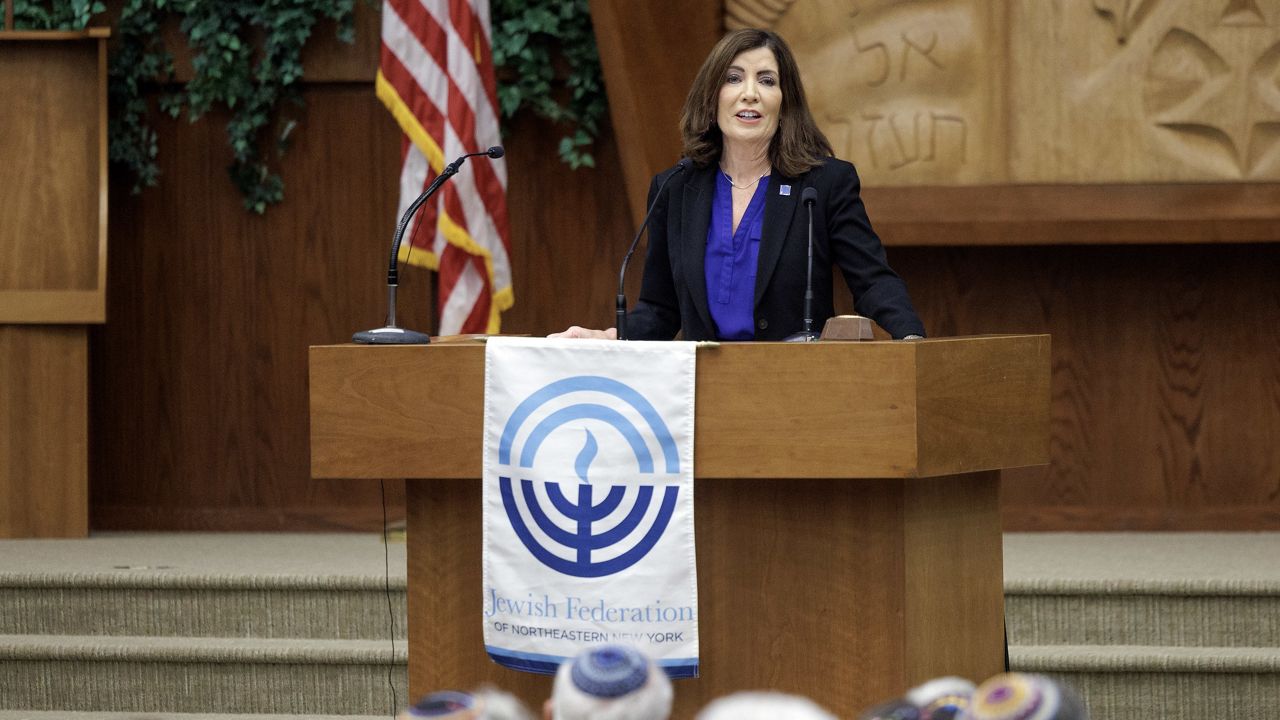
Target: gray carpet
(236, 626)
(279, 624)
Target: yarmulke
(900, 709)
(947, 707)
(609, 671)
(942, 698)
(443, 704)
(1013, 696)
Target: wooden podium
(846, 506)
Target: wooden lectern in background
(53, 268)
(846, 506)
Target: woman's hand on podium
(581, 332)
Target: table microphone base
(802, 336)
(391, 336)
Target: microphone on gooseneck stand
(390, 334)
(621, 301)
(808, 197)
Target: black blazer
(673, 295)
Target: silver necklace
(748, 186)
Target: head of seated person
(1020, 695)
(764, 706)
(484, 704)
(944, 698)
(610, 682)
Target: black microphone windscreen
(682, 164)
(495, 152)
(809, 196)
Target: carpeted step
(201, 675)
(181, 605)
(199, 585)
(1143, 614)
(1151, 589)
(1173, 683)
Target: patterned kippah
(609, 671)
(443, 704)
(1012, 696)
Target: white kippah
(764, 706)
(944, 697)
(611, 682)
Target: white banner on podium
(588, 501)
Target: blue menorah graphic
(585, 512)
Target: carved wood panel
(962, 92)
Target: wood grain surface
(1101, 214)
(790, 575)
(1165, 382)
(763, 410)
(202, 370)
(649, 62)
(44, 443)
(199, 378)
(982, 403)
(52, 238)
(953, 541)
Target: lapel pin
(784, 190)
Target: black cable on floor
(1006, 644)
(391, 613)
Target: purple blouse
(731, 261)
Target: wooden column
(649, 59)
(53, 263)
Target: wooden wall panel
(569, 231)
(200, 411)
(49, 177)
(200, 384)
(44, 407)
(649, 62)
(1166, 376)
(1166, 360)
(53, 239)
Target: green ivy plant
(545, 52)
(72, 15)
(246, 60)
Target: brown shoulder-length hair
(797, 147)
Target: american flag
(436, 77)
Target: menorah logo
(586, 527)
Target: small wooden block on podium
(53, 266)
(846, 506)
(847, 327)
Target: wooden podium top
(763, 410)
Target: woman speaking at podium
(728, 233)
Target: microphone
(808, 197)
(390, 334)
(621, 301)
